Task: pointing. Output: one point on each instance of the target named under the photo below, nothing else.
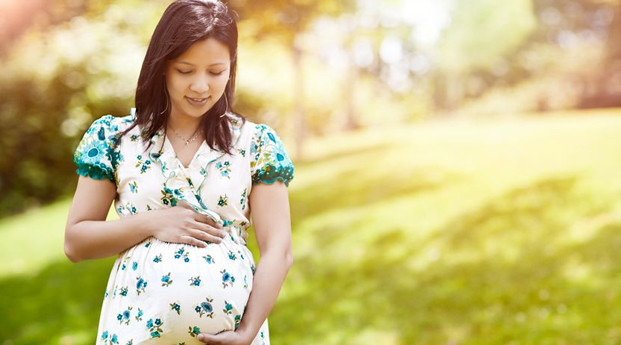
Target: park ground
(504, 231)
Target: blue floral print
(155, 328)
(223, 201)
(227, 279)
(194, 331)
(205, 308)
(125, 316)
(167, 293)
(270, 161)
(228, 308)
(166, 281)
(195, 281)
(95, 155)
(141, 285)
(139, 316)
(182, 254)
(176, 307)
(224, 168)
(209, 259)
(133, 187)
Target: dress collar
(163, 152)
(189, 181)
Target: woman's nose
(200, 85)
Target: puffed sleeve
(269, 160)
(94, 155)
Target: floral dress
(166, 293)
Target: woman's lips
(197, 101)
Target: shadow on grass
(359, 186)
(64, 298)
(471, 294)
(364, 182)
(349, 152)
(527, 218)
(548, 292)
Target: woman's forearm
(269, 276)
(99, 239)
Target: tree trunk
(300, 123)
(350, 92)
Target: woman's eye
(188, 72)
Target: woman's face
(196, 79)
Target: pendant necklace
(186, 141)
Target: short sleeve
(269, 159)
(94, 154)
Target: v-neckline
(169, 146)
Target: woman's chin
(196, 113)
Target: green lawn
(488, 232)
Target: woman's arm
(87, 234)
(272, 224)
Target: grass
(453, 232)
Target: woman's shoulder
(269, 160)
(237, 121)
(242, 127)
(109, 125)
(249, 127)
(94, 156)
(112, 121)
(112, 127)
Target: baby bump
(185, 290)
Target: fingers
(209, 229)
(205, 236)
(193, 241)
(203, 218)
(199, 216)
(223, 337)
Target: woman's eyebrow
(213, 64)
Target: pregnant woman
(184, 172)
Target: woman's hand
(182, 224)
(225, 338)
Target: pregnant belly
(176, 291)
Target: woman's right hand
(182, 224)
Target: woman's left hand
(224, 338)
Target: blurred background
(457, 163)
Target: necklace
(187, 141)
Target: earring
(227, 105)
(167, 101)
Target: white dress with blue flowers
(166, 293)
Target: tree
(481, 32)
(288, 20)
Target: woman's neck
(184, 125)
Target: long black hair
(183, 23)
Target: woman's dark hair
(183, 23)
